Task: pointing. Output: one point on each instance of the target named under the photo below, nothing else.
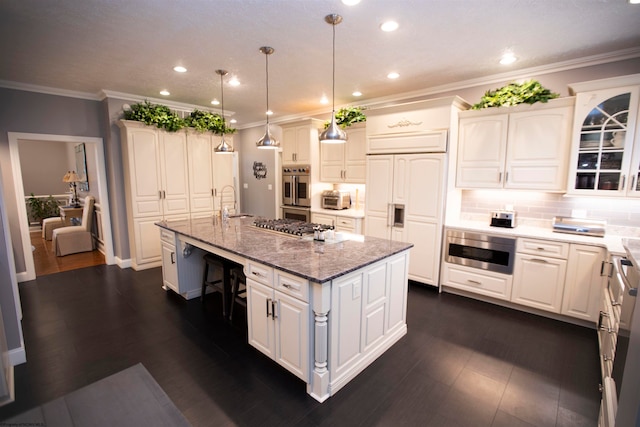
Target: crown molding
(178, 106)
(8, 84)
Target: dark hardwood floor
(46, 262)
(463, 362)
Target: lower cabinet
(584, 282)
(339, 222)
(538, 282)
(169, 260)
(483, 282)
(279, 324)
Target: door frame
(103, 194)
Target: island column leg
(318, 386)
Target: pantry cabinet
(605, 157)
(345, 162)
(300, 142)
(523, 147)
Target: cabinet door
(418, 185)
(538, 150)
(375, 290)
(538, 282)
(261, 333)
(323, 219)
(481, 151)
(345, 323)
(379, 195)
(292, 331)
(332, 162)
(146, 241)
(169, 267)
(143, 172)
(200, 153)
(355, 159)
(584, 282)
(603, 140)
(303, 144)
(175, 175)
(288, 145)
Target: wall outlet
(270, 187)
(245, 185)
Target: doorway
(102, 194)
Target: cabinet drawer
(495, 285)
(346, 224)
(168, 236)
(292, 285)
(260, 273)
(547, 248)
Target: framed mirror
(81, 167)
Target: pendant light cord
(266, 56)
(222, 104)
(333, 90)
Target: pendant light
(333, 134)
(267, 140)
(223, 147)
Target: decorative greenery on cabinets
(40, 209)
(347, 116)
(162, 117)
(528, 92)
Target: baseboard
(123, 263)
(11, 386)
(17, 356)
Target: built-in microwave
(482, 251)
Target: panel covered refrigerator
(405, 200)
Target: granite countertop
(613, 243)
(304, 257)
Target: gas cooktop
(290, 226)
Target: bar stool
(213, 264)
(238, 289)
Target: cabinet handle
(286, 285)
(499, 176)
(606, 358)
(268, 314)
(213, 192)
(506, 177)
(164, 194)
(160, 194)
(474, 282)
(624, 178)
(173, 257)
(274, 304)
(540, 249)
(633, 182)
(255, 273)
(541, 261)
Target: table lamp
(72, 178)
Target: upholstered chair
(50, 224)
(76, 238)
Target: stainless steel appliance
(296, 213)
(289, 226)
(296, 182)
(589, 227)
(482, 251)
(505, 219)
(336, 199)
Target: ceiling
(131, 46)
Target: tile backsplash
(622, 215)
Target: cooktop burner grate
(291, 226)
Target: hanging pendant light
(333, 134)
(267, 140)
(223, 147)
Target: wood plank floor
(462, 363)
(46, 261)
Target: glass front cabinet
(605, 158)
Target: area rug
(129, 398)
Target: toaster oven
(336, 199)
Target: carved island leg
(318, 386)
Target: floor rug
(128, 398)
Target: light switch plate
(245, 185)
(270, 187)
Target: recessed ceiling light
(179, 69)
(269, 113)
(389, 26)
(357, 93)
(324, 99)
(634, 1)
(215, 102)
(350, 2)
(393, 75)
(234, 82)
(233, 121)
(508, 58)
(165, 92)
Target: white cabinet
(483, 282)
(584, 282)
(278, 317)
(209, 174)
(169, 260)
(156, 186)
(605, 157)
(340, 223)
(345, 162)
(522, 147)
(300, 142)
(405, 197)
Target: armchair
(77, 238)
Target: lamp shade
(71, 176)
(267, 140)
(223, 147)
(333, 134)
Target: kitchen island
(322, 310)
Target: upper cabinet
(521, 147)
(345, 162)
(605, 157)
(300, 141)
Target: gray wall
(43, 164)
(257, 199)
(30, 112)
